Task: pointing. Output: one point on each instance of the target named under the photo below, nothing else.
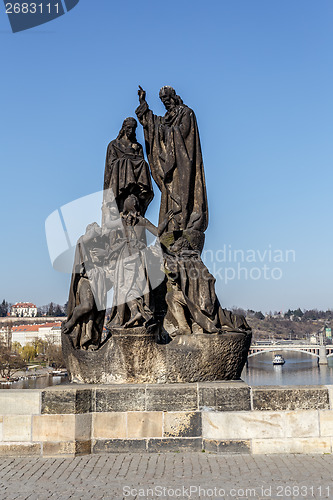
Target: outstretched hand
(170, 215)
(141, 94)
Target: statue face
(167, 101)
(130, 131)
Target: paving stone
(106, 476)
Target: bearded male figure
(126, 171)
(174, 155)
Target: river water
(36, 383)
(299, 369)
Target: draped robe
(198, 288)
(88, 330)
(126, 172)
(175, 159)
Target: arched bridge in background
(322, 352)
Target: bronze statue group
(164, 287)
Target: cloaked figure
(126, 171)
(175, 159)
(87, 294)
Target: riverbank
(31, 374)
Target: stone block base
(215, 417)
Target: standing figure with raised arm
(175, 159)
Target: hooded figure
(126, 171)
(174, 154)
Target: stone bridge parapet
(219, 417)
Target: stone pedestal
(135, 356)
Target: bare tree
(53, 352)
(10, 362)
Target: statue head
(92, 238)
(93, 228)
(128, 129)
(131, 204)
(131, 210)
(169, 97)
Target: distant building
(6, 336)
(26, 334)
(24, 310)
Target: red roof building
(27, 334)
(24, 310)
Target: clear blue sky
(259, 77)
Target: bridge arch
(283, 348)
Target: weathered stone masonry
(219, 417)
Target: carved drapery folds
(163, 290)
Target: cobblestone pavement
(168, 476)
